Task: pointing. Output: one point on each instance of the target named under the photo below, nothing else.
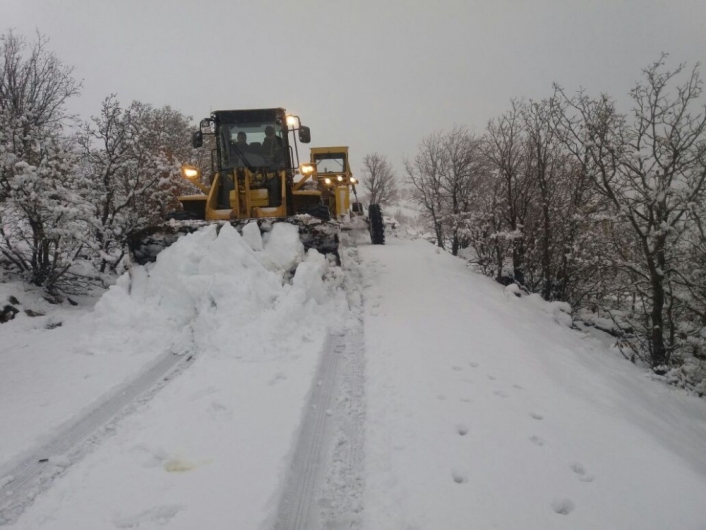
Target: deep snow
(482, 410)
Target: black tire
(377, 225)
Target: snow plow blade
(146, 244)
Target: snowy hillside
(239, 383)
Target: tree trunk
(658, 350)
(546, 255)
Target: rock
(8, 313)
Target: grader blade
(146, 244)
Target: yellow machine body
(248, 198)
(334, 178)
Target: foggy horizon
(377, 77)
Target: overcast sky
(376, 75)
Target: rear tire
(377, 225)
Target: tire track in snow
(21, 482)
(297, 505)
(324, 485)
(341, 500)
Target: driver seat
(256, 148)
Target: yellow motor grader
(329, 173)
(254, 163)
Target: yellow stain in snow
(181, 465)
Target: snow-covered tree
(652, 169)
(505, 148)
(41, 213)
(379, 179)
(445, 174)
(131, 163)
(425, 173)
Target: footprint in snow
(466, 400)
(501, 393)
(518, 387)
(563, 506)
(459, 476)
(219, 411)
(457, 368)
(462, 429)
(473, 365)
(281, 376)
(577, 467)
(441, 397)
(536, 416)
(536, 440)
(492, 377)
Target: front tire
(377, 225)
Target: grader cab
(331, 173)
(255, 157)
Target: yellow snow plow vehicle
(330, 173)
(254, 162)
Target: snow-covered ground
(210, 449)
(454, 404)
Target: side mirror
(304, 134)
(197, 139)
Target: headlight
(190, 172)
(306, 169)
(327, 180)
(293, 122)
(353, 181)
(340, 178)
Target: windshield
(330, 163)
(260, 144)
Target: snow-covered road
(485, 411)
(399, 391)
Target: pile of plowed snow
(220, 294)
